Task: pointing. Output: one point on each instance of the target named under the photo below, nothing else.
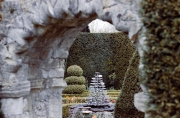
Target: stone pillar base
(14, 108)
(140, 101)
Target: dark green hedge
(122, 52)
(161, 18)
(106, 53)
(124, 107)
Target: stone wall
(35, 36)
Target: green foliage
(125, 104)
(111, 93)
(74, 89)
(76, 95)
(112, 76)
(90, 51)
(75, 80)
(74, 70)
(162, 70)
(122, 52)
(105, 53)
(65, 111)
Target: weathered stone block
(44, 74)
(12, 106)
(45, 53)
(60, 82)
(22, 73)
(54, 108)
(50, 63)
(46, 105)
(35, 64)
(36, 83)
(56, 73)
(140, 101)
(34, 54)
(34, 73)
(60, 53)
(15, 90)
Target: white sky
(99, 26)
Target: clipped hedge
(124, 107)
(161, 72)
(123, 50)
(76, 99)
(76, 95)
(65, 111)
(74, 89)
(76, 82)
(74, 70)
(71, 80)
(113, 93)
(113, 90)
(106, 53)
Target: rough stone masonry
(35, 36)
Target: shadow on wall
(1, 114)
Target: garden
(90, 54)
(74, 99)
(76, 93)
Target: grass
(111, 93)
(81, 98)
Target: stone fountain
(98, 101)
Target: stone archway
(35, 38)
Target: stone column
(47, 84)
(13, 102)
(141, 98)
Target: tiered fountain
(98, 101)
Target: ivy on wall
(106, 53)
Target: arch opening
(35, 42)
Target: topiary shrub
(124, 107)
(75, 82)
(74, 70)
(74, 89)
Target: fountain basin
(85, 109)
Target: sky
(99, 26)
